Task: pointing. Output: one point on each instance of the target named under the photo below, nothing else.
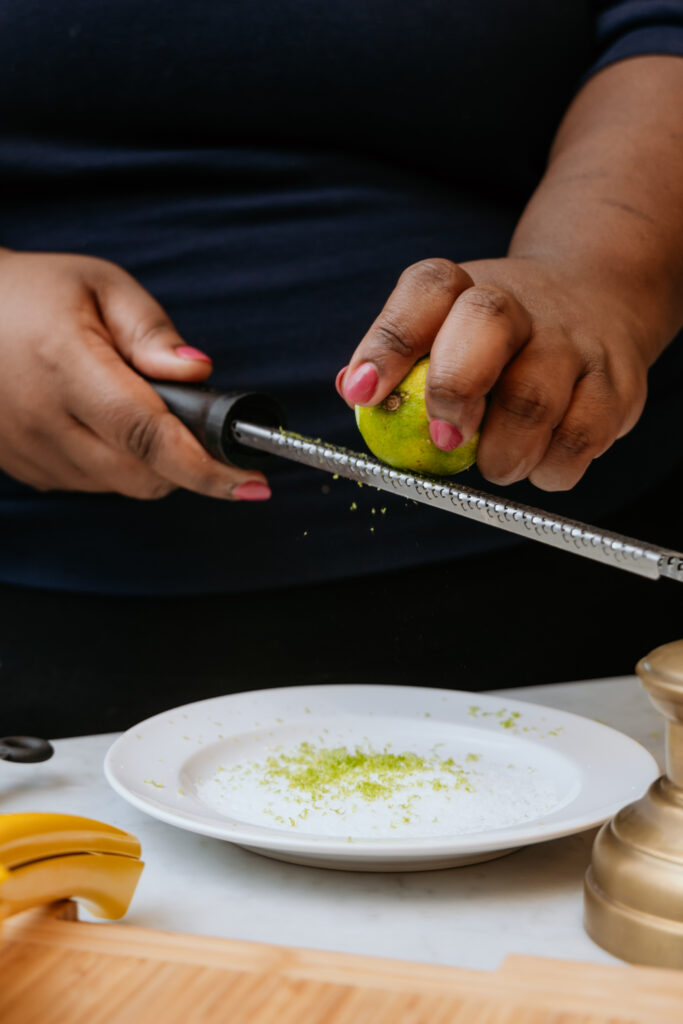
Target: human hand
(551, 369)
(74, 413)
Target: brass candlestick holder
(633, 892)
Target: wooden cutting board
(57, 970)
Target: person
(214, 194)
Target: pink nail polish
(187, 352)
(362, 384)
(444, 435)
(252, 490)
(338, 380)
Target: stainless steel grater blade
(534, 524)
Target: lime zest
(317, 775)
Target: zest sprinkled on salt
(378, 794)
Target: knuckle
(434, 273)
(485, 302)
(598, 364)
(524, 402)
(141, 434)
(149, 327)
(445, 390)
(577, 439)
(393, 336)
(599, 361)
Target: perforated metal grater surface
(567, 534)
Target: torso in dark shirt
(267, 172)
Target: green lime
(397, 430)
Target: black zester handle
(210, 414)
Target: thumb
(143, 333)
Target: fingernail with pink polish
(338, 380)
(187, 352)
(362, 384)
(444, 435)
(252, 490)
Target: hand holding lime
(397, 430)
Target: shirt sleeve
(636, 28)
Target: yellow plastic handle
(103, 882)
(28, 837)
(49, 857)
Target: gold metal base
(633, 892)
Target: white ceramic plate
(462, 777)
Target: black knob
(26, 749)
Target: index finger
(123, 410)
(404, 331)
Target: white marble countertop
(530, 902)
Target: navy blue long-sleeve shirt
(267, 171)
